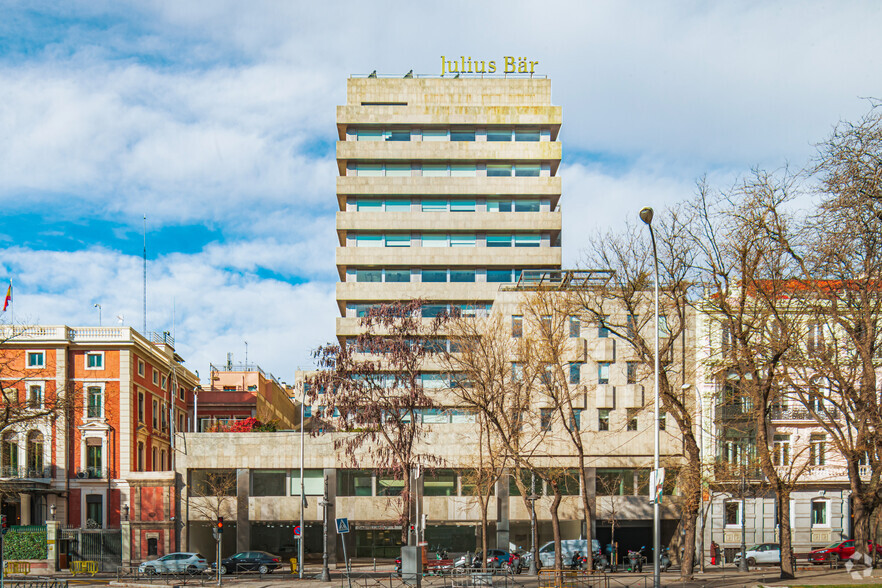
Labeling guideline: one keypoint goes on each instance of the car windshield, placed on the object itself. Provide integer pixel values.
(832, 545)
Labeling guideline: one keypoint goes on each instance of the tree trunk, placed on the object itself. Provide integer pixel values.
(406, 504)
(788, 568)
(555, 528)
(587, 512)
(691, 483)
(862, 508)
(484, 504)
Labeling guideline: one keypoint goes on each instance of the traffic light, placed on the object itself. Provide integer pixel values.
(220, 524)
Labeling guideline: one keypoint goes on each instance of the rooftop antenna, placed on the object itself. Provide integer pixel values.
(230, 362)
(174, 316)
(246, 356)
(145, 277)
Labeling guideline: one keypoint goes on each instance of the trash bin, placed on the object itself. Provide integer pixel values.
(293, 561)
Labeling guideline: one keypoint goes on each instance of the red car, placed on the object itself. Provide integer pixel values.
(841, 550)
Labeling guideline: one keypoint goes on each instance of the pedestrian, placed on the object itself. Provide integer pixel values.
(715, 553)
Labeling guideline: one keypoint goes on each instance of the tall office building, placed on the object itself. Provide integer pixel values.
(448, 188)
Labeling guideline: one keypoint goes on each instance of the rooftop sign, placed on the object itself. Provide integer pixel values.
(466, 65)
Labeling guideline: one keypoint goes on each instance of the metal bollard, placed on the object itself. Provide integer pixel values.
(375, 564)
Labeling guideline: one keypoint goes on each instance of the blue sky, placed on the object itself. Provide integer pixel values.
(216, 120)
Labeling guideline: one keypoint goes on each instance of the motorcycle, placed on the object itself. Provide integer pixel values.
(664, 560)
(601, 564)
(578, 562)
(635, 560)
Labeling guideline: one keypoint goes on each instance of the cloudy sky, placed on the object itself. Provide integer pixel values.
(216, 121)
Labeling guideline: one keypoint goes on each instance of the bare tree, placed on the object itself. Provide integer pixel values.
(623, 306)
(372, 389)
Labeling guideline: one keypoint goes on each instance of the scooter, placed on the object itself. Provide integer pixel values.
(664, 561)
(635, 560)
(601, 564)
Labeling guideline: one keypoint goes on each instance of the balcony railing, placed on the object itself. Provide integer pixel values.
(800, 414)
(733, 411)
(91, 474)
(23, 472)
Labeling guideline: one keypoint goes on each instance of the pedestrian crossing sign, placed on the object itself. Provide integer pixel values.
(342, 525)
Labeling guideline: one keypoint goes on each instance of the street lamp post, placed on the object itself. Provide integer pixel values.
(646, 216)
(302, 495)
(326, 574)
(534, 570)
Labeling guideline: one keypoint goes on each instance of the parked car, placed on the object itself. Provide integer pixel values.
(764, 553)
(175, 563)
(567, 547)
(250, 561)
(840, 550)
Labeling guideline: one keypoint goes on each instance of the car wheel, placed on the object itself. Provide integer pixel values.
(262, 569)
(223, 570)
(192, 570)
(751, 561)
(150, 571)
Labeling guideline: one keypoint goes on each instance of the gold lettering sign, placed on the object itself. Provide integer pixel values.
(474, 66)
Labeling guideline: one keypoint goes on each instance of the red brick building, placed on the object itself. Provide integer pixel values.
(107, 460)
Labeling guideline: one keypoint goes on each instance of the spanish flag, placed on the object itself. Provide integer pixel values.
(8, 297)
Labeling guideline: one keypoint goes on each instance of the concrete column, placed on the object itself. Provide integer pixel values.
(52, 544)
(331, 475)
(503, 537)
(25, 508)
(126, 543)
(243, 525)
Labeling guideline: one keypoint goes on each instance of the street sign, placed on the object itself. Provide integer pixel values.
(656, 485)
(297, 532)
(342, 525)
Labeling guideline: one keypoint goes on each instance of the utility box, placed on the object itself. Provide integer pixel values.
(412, 565)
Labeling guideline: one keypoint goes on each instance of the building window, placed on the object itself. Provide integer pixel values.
(462, 134)
(155, 377)
(498, 240)
(141, 368)
(93, 458)
(397, 240)
(603, 372)
(576, 373)
(155, 463)
(95, 402)
(498, 170)
(164, 384)
(35, 454)
(517, 326)
(140, 407)
(499, 276)
(815, 338)
(517, 372)
(440, 483)
(545, 322)
(527, 170)
(545, 419)
(462, 275)
(498, 134)
(603, 328)
(603, 419)
(94, 511)
(95, 360)
(820, 513)
(398, 276)
(36, 359)
(369, 275)
(527, 240)
(632, 418)
(389, 485)
(140, 456)
(781, 451)
(631, 371)
(499, 206)
(527, 205)
(35, 396)
(818, 449)
(732, 513)
(353, 483)
(182, 395)
(575, 423)
(268, 483)
(526, 134)
(155, 414)
(575, 327)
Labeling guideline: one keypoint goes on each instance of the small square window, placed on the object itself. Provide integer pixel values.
(603, 373)
(36, 359)
(94, 361)
(603, 419)
(632, 418)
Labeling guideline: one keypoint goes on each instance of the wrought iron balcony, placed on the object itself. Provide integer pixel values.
(24, 472)
(733, 411)
(800, 414)
(91, 474)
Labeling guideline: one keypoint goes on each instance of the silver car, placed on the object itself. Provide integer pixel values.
(175, 563)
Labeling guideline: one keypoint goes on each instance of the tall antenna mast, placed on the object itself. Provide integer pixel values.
(145, 276)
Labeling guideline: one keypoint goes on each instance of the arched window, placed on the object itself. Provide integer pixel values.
(9, 456)
(35, 454)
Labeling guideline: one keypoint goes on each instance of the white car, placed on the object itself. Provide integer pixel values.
(175, 563)
(764, 553)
